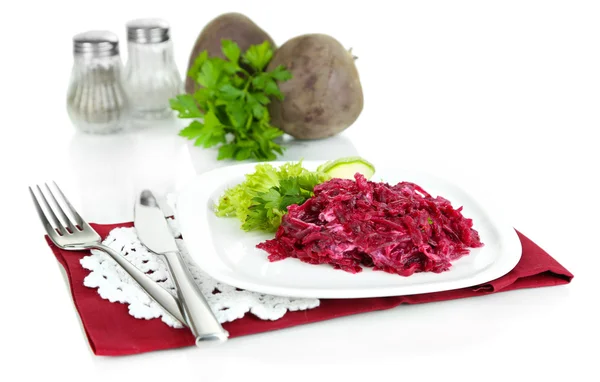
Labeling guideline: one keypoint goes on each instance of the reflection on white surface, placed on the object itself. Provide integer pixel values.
(103, 167)
(324, 149)
(111, 170)
(159, 156)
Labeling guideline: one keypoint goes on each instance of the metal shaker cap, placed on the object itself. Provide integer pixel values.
(96, 43)
(147, 31)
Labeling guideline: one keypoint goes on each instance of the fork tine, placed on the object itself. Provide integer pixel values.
(60, 210)
(44, 216)
(79, 221)
(40, 212)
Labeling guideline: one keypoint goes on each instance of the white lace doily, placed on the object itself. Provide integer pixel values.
(227, 302)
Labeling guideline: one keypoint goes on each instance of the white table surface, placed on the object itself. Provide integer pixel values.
(499, 96)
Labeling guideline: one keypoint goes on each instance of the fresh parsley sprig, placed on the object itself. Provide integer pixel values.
(232, 102)
(261, 200)
(268, 207)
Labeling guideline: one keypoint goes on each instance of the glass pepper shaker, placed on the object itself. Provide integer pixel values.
(96, 99)
(151, 74)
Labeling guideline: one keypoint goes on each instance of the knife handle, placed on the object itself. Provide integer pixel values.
(200, 318)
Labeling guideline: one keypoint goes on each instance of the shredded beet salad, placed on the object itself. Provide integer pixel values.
(398, 229)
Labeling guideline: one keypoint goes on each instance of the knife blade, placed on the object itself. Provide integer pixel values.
(154, 232)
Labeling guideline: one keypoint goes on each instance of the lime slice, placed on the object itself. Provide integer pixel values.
(346, 168)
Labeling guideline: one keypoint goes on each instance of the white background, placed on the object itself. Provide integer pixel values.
(502, 96)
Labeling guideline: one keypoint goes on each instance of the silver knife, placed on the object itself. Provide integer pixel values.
(154, 232)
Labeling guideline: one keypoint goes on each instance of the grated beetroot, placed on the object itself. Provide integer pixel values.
(398, 229)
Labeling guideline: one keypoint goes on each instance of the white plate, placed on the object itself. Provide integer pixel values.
(228, 254)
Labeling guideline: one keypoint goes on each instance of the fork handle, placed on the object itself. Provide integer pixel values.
(154, 291)
(198, 314)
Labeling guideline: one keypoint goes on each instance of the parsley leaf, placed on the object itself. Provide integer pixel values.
(231, 103)
(186, 106)
(226, 151)
(231, 50)
(198, 62)
(210, 74)
(271, 88)
(211, 133)
(230, 92)
(264, 197)
(193, 130)
(236, 113)
(258, 56)
(280, 74)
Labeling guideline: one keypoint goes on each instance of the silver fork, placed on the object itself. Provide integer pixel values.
(78, 236)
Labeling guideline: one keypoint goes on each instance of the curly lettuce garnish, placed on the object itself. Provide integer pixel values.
(263, 198)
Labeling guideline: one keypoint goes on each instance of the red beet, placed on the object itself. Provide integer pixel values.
(349, 224)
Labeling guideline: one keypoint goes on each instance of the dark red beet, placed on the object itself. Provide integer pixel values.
(397, 229)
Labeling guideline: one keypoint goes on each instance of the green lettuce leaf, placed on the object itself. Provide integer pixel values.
(261, 200)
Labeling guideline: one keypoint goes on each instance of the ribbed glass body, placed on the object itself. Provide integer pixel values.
(96, 99)
(151, 74)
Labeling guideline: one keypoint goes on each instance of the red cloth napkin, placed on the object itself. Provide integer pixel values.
(111, 331)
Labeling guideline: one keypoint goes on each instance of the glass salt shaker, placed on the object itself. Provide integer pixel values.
(96, 99)
(151, 74)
